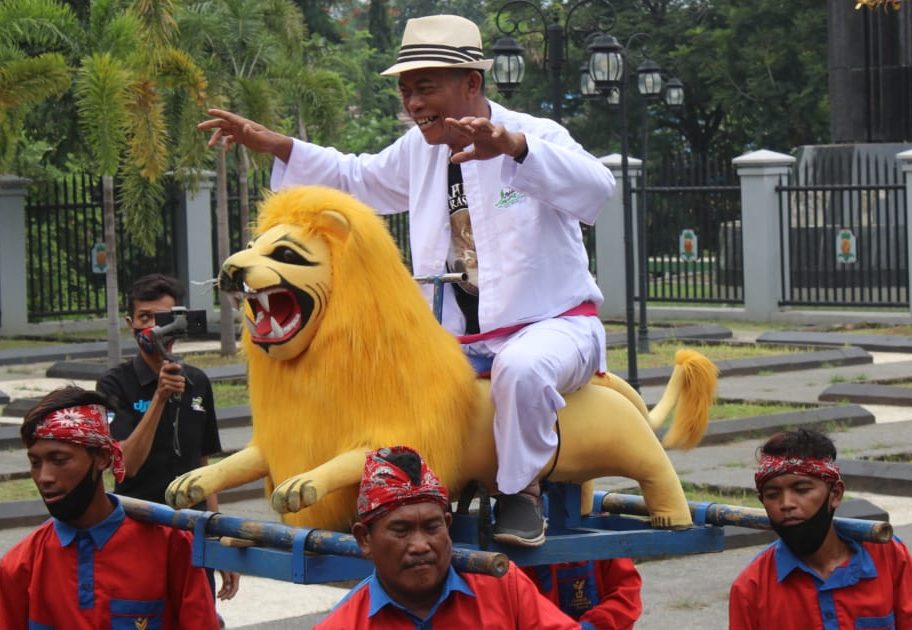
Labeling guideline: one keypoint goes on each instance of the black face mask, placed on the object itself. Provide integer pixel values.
(75, 502)
(805, 538)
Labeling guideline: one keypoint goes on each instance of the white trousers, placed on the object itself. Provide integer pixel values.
(531, 369)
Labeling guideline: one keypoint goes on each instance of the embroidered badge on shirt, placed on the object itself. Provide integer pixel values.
(508, 197)
(197, 404)
(141, 624)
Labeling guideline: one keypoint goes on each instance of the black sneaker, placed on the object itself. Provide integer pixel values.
(519, 520)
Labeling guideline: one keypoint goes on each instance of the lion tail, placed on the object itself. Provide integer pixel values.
(691, 389)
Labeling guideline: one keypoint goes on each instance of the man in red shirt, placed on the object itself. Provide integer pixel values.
(403, 527)
(812, 577)
(601, 594)
(91, 566)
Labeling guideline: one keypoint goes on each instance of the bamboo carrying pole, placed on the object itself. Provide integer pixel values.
(281, 536)
(754, 518)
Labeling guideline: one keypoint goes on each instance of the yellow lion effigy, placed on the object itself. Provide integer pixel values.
(344, 356)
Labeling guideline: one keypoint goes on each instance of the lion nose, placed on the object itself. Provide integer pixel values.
(231, 278)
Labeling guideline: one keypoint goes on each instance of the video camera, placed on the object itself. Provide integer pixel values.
(175, 324)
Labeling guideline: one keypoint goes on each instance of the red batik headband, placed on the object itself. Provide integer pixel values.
(385, 486)
(85, 425)
(775, 465)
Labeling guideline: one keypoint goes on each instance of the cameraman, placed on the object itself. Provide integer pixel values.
(164, 411)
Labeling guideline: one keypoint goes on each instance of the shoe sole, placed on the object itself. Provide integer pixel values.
(518, 541)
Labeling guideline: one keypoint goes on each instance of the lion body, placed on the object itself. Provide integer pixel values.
(381, 371)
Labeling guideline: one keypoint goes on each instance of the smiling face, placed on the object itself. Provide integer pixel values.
(411, 550)
(283, 279)
(791, 499)
(431, 94)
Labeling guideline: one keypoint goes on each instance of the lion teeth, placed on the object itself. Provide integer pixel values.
(263, 299)
(259, 316)
(276, 327)
(248, 289)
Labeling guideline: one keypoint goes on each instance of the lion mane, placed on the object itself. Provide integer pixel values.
(356, 385)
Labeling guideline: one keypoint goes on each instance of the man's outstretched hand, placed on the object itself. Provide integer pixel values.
(230, 128)
(487, 139)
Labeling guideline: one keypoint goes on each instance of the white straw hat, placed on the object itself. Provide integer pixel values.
(440, 41)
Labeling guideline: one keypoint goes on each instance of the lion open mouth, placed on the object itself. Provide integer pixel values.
(275, 315)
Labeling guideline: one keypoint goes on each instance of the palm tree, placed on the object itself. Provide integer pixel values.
(250, 50)
(32, 68)
(120, 91)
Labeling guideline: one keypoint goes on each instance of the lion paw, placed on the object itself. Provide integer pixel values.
(186, 490)
(294, 494)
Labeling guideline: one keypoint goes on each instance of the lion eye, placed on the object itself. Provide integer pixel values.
(289, 256)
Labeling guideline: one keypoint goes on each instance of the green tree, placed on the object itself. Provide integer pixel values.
(254, 55)
(34, 34)
(120, 93)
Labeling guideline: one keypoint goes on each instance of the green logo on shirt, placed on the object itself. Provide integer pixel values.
(508, 197)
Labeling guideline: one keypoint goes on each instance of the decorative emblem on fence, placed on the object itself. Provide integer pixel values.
(846, 247)
(99, 258)
(688, 249)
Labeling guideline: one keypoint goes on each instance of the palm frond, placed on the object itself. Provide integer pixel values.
(179, 71)
(28, 81)
(119, 35)
(285, 20)
(41, 24)
(157, 17)
(148, 150)
(141, 202)
(102, 96)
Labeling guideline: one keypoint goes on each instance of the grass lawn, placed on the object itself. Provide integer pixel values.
(662, 353)
(13, 343)
(212, 359)
(735, 410)
(746, 497)
(230, 394)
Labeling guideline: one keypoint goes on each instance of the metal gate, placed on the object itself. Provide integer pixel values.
(692, 207)
(64, 229)
(843, 235)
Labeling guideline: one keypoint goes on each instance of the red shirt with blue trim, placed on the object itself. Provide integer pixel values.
(601, 594)
(121, 573)
(871, 591)
(468, 601)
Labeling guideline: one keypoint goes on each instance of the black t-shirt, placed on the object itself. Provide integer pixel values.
(130, 387)
(462, 255)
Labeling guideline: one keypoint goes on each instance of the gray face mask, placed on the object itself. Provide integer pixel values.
(806, 537)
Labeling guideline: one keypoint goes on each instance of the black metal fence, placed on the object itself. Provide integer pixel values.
(693, 231)
(64, 238)
(843, 231)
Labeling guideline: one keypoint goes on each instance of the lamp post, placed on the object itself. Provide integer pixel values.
(607, 63)
(509, 67)
(650, 86)
(604, 74)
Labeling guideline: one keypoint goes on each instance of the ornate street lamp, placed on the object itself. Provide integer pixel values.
(674, 93)
(649, 80)
(587, 85)
(508, 68)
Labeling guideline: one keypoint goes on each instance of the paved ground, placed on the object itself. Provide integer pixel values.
(681, 593)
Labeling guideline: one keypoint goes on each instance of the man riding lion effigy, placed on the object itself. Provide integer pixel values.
(344, 356)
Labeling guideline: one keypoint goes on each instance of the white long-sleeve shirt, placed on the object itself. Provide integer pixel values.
(532, 264)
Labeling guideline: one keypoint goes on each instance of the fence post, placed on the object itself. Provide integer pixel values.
(609, 239)
(759, 172)
(905, 161)
(13, 276)
(194, 244)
